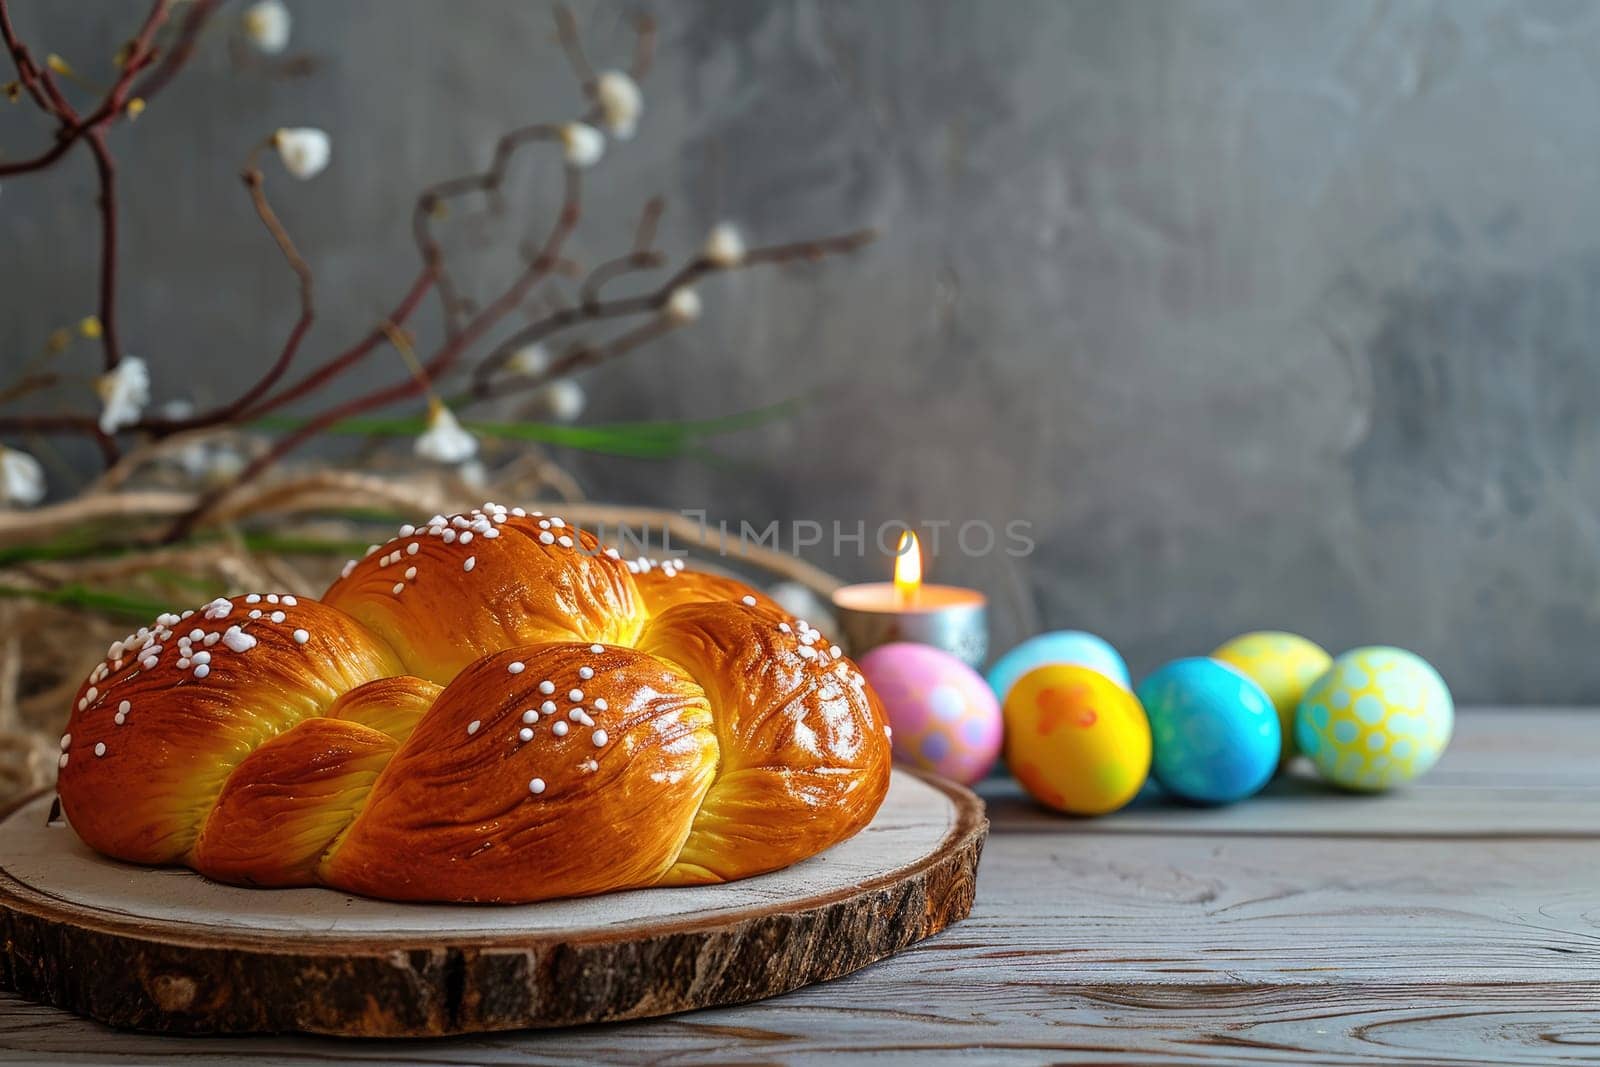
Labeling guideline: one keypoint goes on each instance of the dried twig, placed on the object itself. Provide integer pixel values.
(485, 384)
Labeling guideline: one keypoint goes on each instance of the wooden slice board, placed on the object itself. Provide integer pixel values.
(167, 950)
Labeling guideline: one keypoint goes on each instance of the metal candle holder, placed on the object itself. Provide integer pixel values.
(948, 618)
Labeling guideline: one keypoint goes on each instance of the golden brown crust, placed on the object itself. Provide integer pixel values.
(454, 814)
(284, 806)
(515, 730)
(805, 759)
(533, 578)
(137, 784)
(666, 586)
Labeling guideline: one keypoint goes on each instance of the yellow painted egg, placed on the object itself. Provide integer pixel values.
(1076, 740)
(1283, 665)
(1377, 718)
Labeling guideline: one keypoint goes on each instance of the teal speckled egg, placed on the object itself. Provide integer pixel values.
(1377, 718)
(1216, 734)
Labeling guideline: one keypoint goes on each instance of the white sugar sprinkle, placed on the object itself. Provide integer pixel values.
(466, 537)
(272, 598)
(530, 716)
(349, 566)
(600, 738)
(559, 729)
(748, 601)
(255, 598)
(100, 748)
(301, 637)
(277, 616)
(783, 628)
(547, 687)
(835, 651)
(120, 717)
(413, 548)
(586, 673)
(448, 537)
(291, 601)
(411, 574)
(255, 613)
(469, 563)
(407, 530)
(575, 694)
(536, 785)
(516, 667)
(600, 704)
(66, 739)
(525, 734)
(202, 670)
(211, 639)
(202, 657)
(557, 523)
(547, 538)
(399, 587)
(472, 727)
(565, 541)
(548, 707)
(125, 707)
(597, 649)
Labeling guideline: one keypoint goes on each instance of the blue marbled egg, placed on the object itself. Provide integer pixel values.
(1074, 647)
(1216, 733)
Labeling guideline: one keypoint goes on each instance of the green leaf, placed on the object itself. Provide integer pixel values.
(647, 440)
(117, 605)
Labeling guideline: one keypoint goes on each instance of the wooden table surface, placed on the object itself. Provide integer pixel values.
(1457, 921)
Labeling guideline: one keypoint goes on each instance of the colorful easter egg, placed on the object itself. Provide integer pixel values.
(1283, 665)
(1076, 740)
(943, 715)
(1216, 733)
(1062, 646)
(1377, 718)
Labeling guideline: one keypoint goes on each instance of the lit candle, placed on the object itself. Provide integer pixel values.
(906, 609)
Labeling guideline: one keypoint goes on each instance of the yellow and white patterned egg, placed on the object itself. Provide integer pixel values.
(1283, 665)
(1377, 718)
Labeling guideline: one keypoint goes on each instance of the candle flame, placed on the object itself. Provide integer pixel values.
(908, 567)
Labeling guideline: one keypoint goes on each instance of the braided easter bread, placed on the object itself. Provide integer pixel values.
(490, 707)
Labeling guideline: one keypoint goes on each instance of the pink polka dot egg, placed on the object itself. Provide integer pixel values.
(944, 716)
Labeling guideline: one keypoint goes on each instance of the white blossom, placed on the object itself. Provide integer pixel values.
(305, 150)
(529, 360)
(267, 23)
(444, 441)
(21, 478)
(563, 399)
(583, 144)
(620, 103)
(724, 245)
(123, 393)
(683, 305)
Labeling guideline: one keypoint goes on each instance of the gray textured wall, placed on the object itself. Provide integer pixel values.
(1264, 314)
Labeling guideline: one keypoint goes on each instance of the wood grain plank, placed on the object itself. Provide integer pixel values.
(1201, 1025)
(1166, 949)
